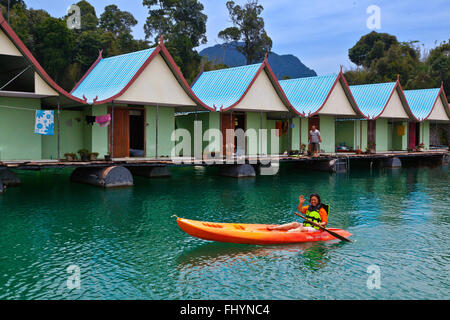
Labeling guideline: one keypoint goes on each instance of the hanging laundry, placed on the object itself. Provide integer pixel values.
(103, 121)
(44, 124)
(90, 119)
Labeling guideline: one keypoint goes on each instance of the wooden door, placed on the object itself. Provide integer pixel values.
(120, 133)
(227, 123)
(371, 133)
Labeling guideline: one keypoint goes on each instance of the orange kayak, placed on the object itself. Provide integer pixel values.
(251, 233)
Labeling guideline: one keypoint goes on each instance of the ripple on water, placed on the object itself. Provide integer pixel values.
(128, 246)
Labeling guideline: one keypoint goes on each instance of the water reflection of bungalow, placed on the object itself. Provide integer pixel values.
(385, 105)
(142, 91)
(430, 106)
(24, 88)
(326, 101)
(248, 97)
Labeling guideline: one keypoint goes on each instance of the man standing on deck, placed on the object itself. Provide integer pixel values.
(315, 139)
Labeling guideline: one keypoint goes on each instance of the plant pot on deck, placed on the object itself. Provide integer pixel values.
(70, 157)
(93, 156)
(84, 155)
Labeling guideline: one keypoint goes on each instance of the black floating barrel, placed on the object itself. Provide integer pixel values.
(9, 178)
(106, 177)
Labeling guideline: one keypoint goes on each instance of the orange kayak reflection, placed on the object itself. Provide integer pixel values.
(251, 233)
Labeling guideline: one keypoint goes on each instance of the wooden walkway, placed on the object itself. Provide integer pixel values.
(46, 164)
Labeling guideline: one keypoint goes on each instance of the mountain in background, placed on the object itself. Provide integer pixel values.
(286, 65)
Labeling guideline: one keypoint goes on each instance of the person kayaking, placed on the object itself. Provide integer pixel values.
(315, 212)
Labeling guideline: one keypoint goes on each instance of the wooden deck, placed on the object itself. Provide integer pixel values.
(46, 164)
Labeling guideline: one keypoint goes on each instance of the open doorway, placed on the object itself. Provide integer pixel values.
(137, 133)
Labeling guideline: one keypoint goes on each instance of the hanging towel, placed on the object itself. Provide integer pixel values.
(44, 122)
(103, 121)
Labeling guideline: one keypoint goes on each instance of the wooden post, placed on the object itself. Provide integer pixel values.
(300, 135)
(157, 128)
(360, 134)
(259, 133)
(112, 130)
(59, 130)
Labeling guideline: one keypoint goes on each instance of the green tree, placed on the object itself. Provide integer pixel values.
(172, 18)
(87, 46)
(439, 65)
(183, 24)
(371, 47)
(54, 45)
(12, 3)
(248, 27)
(89, 20)
(401, 59)
(117, 21)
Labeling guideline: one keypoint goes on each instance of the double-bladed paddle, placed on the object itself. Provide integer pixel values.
(334, 234)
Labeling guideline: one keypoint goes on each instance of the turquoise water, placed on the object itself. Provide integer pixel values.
(128, 246)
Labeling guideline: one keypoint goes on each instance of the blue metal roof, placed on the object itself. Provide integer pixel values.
(223, 88)
(307, 95)
(111, 75)
(372, 98)
(422, 101)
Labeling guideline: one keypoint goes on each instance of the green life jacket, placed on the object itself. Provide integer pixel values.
(314, 216)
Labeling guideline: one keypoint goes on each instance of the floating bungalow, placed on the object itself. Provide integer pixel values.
(430, 106)
(25, 88)
(325, 102)
(247, 97)
(388, 115)
(141, 91)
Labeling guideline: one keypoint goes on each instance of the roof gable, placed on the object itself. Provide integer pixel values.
(158, 85)
(261, 96)
(7, 47)
(394, 108)
(440, 111)
(338, 102)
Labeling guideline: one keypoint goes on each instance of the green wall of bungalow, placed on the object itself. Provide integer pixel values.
(19, 142)
(24, 144)
(387, 134)
(17, 138)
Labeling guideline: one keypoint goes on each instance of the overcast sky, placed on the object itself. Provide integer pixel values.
(318, 32)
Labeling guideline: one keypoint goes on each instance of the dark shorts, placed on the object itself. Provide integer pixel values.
(315, 146)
